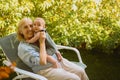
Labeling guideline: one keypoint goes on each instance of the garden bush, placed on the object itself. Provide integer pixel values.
(84, 24)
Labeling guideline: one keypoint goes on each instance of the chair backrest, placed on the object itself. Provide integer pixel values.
(9, 45)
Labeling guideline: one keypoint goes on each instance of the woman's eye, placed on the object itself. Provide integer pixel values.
(31, 25)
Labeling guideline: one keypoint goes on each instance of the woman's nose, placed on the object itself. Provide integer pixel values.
(29, 28)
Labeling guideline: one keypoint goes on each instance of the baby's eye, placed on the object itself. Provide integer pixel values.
(34, 24)
(39, 24)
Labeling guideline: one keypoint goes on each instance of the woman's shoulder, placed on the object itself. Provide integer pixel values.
(24, 45)
(27, 46)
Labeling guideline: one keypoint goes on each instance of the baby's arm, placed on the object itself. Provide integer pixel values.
(35, 38)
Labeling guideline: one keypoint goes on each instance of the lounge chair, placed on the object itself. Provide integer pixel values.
(9, 46)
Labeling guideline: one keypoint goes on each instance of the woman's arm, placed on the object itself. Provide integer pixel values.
(28, 54)
(43, 55)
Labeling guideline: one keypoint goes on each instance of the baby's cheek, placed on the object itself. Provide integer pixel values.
(41, 27)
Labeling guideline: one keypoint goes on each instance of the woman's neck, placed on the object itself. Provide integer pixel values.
(36, 43)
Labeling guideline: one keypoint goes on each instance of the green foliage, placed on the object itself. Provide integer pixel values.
(11, 11)
(81, 23)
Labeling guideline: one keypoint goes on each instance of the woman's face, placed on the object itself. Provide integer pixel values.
(27, 30)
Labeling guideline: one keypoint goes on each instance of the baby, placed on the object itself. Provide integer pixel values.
(39, 26)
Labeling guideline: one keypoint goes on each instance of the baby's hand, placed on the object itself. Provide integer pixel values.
(28, 41)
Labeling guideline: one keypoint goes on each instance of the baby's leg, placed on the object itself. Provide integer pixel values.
(53, 61)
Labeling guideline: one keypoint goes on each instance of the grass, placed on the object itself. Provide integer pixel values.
(100, 66)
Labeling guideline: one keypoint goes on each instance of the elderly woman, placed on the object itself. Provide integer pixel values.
(29, 54)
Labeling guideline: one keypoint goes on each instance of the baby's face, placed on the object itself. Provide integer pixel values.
(37, 25)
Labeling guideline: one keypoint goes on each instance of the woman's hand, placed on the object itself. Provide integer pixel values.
(42, 36)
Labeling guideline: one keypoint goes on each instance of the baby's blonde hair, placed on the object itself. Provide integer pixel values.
(20, 25)
(41, 20)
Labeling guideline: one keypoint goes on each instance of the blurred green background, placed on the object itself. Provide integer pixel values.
(92, 26)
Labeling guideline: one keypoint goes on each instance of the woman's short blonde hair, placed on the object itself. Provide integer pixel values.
(20, 25)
